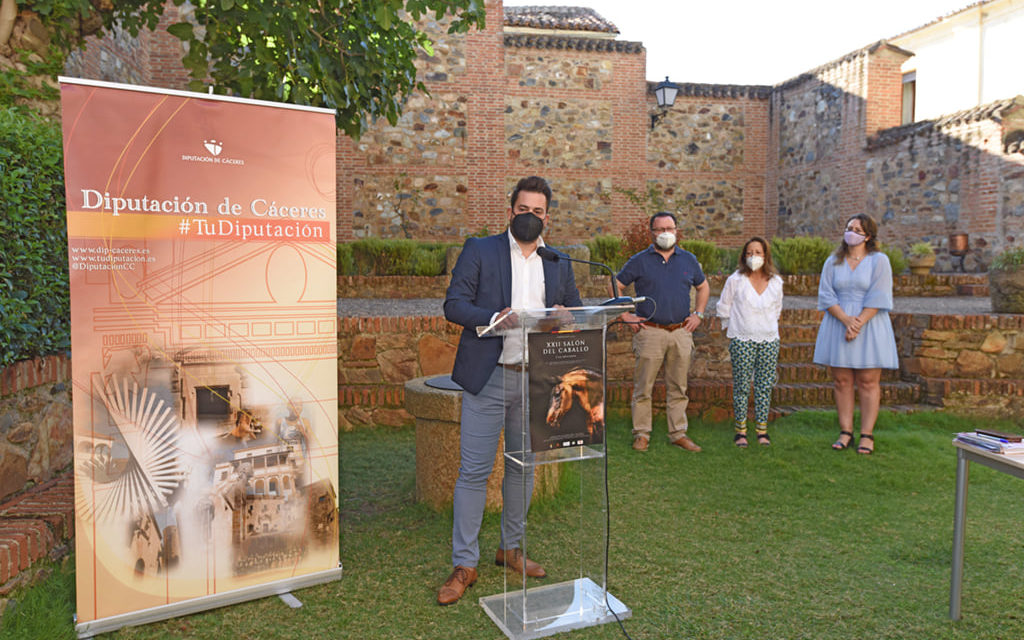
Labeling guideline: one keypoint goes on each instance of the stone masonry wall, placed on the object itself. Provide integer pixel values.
(962, 363)
(558, 133)
(954, 178)
(822, 120)
(708, 209)
(533, 68)
(966, 363)
(429, 131)
(403, 205)
(699, 137)
(706, 162)
(35, 422)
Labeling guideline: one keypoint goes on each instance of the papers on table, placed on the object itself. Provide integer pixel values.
(990, 443)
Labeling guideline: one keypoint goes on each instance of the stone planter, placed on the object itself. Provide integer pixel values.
(921, 265)
(1006, 288)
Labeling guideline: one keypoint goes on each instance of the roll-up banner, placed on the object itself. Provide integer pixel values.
(201, 241)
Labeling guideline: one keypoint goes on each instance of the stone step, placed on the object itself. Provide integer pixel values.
(34, 525)
(790, 333)
(807, 372)
(796, 352)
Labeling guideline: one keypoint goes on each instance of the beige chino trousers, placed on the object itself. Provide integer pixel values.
(653, 347)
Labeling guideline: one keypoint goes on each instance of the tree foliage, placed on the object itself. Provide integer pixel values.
(34, 303)
(354, 56)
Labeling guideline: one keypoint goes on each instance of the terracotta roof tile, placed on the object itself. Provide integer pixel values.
(991, 111)
(564, 18)
(566, 42)
(863, 51)
(704, 90)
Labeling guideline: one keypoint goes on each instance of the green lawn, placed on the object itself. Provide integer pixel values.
(791, 541)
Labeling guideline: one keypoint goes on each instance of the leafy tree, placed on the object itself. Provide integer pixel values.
(354, 56)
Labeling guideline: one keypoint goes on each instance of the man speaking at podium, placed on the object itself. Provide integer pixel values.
(492, 276)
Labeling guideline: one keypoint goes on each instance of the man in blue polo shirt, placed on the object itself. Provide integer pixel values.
(663, 273)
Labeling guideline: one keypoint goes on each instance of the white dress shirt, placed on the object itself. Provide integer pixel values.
(527, 293)
(748, 315)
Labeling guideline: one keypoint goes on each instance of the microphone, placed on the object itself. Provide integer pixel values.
(552, 256)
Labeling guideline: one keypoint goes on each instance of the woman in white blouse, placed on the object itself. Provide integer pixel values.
(749, 307)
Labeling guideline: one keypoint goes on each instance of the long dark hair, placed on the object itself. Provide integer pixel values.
(769, 266)
(870, 227)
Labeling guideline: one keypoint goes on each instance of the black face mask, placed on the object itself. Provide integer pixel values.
(526, 227)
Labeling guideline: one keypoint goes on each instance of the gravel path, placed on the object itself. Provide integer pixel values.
(369, 307)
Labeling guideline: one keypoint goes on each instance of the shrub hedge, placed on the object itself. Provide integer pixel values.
(34, 302)
(801, 255)
(391, 257)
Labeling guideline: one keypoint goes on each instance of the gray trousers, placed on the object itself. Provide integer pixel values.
(498, 406)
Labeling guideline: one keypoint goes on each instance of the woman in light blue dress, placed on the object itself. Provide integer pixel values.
(856, 339)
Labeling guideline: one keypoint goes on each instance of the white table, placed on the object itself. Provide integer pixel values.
(965, 454)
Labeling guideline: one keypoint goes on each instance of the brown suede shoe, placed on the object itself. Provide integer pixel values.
(684, 442)
(640, 443)
(513, 558)
(456, 584)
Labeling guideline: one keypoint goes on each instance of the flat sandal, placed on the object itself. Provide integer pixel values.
(865, 451)
(838, 445)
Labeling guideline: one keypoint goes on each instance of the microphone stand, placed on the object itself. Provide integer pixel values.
(551, 256)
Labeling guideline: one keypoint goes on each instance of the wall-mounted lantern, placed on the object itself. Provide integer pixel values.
(665, 95)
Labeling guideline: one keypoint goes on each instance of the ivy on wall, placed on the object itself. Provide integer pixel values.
(34, 302)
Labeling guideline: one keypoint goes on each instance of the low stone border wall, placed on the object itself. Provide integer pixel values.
(596, 286)
(35, 422)
(978, 361)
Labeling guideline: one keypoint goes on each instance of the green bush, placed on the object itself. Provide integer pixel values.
(1009, 260)
(346, 266)
(896, 258)
(800, 255)
(34, 302)
(398, 257)
(608, 250)
(707, 254)
(729, 258)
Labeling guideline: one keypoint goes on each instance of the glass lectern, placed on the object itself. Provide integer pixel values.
(561, 389)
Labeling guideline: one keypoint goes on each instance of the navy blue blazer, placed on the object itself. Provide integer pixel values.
(481, 286)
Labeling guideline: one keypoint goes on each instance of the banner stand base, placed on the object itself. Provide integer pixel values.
(195, 605)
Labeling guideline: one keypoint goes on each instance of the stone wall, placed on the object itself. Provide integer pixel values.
(966, 363)
(699, 136)
(973, 363)
(35, 422)
(929, 180)
(564, 133)
(409, 206)
(707, 209)
(823, 119)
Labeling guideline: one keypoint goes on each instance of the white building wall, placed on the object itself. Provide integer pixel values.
(967, 59)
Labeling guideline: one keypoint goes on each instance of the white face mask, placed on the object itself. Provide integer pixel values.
(755, 262)
(853, 238)
(665, 241)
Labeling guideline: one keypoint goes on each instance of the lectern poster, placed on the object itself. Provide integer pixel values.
(201, 241)
(566, 389)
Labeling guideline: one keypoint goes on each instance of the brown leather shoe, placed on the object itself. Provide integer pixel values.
(513, 558)
(640, 443)
(461, 579)
(684, 442)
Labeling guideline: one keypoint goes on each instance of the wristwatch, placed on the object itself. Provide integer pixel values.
(699, 314)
